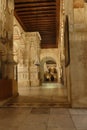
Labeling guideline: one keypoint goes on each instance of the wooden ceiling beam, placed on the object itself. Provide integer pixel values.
(18, 1)
(37, 13)
(34, 15)
(39, 19)
(35, 9)
(48, 24)
(46, 33)
(39, 16)
(39, 26)
(42, 30)
(38, 4)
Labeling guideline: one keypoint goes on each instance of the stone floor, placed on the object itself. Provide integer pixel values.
(23, 113)
(48, 95)
(43, 119)
(45, 93)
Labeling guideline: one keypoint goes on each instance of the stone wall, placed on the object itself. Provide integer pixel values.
(76, 11)
(26, 54)
(20, 55)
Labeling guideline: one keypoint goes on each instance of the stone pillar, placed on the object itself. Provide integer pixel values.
(78, 50)
(76, 11)
(6, 34)
(61, 45)
(68, 5)
(6, 47)
(34, 41)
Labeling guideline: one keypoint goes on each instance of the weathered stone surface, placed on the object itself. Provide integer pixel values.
(78, 49)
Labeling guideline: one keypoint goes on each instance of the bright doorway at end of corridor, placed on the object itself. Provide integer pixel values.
(50, 71)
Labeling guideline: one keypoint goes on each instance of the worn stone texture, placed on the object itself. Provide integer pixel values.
(7, 62)
(41, 119)
(78, 50)
(6, 36)
(78, 3)
(34, 39)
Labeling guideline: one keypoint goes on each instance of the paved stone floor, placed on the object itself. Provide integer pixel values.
(23, 113)
(45, 93)
(48, 95)
(43, 119)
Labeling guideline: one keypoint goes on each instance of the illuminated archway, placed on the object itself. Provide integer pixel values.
(48, 66)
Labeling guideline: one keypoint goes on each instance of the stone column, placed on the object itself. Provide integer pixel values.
(6, 33)
(6, 46)
(64, 71)
(78, 50)
(34, 41)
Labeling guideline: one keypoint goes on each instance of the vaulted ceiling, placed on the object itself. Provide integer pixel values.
(41, 16)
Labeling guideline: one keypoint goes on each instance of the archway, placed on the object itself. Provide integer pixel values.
(48, 70)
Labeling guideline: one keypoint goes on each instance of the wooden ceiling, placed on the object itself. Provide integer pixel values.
(41, 16)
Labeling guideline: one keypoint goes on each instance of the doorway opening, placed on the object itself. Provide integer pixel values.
(50, 71)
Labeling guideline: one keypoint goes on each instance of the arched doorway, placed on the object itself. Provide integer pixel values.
(48, 70)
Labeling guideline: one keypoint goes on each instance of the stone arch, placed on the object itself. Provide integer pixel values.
(42, 61)
(49, 54)
(54, 55)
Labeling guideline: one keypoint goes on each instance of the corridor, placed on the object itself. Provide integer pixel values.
(47, 95)
(43, 43)
(43, 119)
